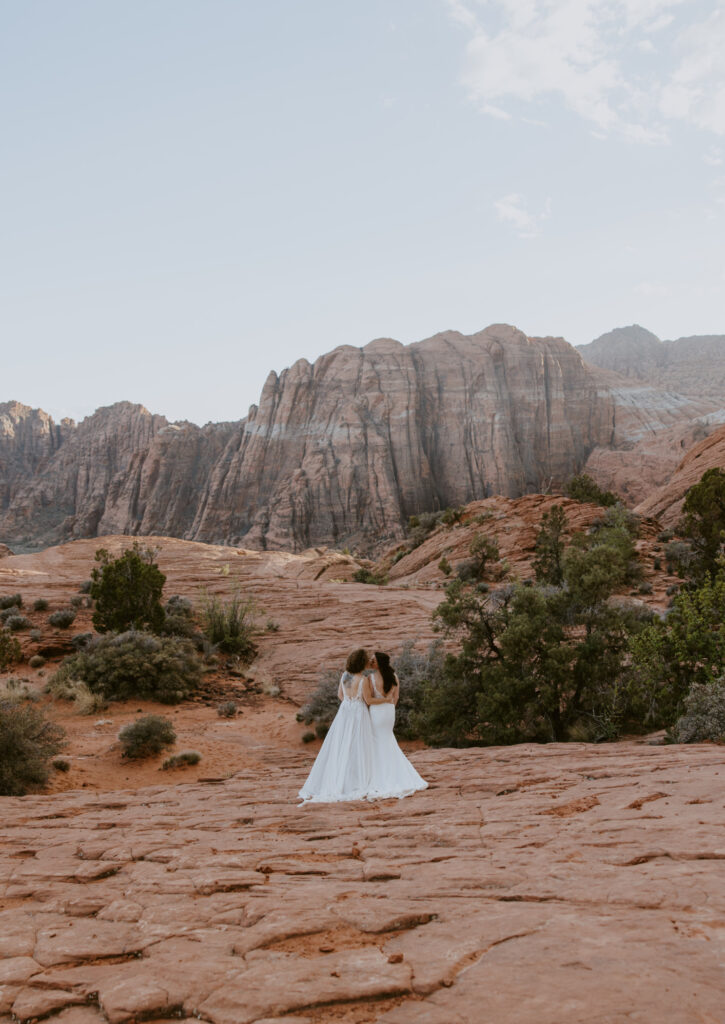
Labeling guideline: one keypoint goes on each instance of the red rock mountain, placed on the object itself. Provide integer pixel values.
(338, 451)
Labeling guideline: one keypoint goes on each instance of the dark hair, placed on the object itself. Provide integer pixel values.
(357, 661)
(386, 670)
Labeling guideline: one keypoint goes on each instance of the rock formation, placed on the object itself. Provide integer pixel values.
(666, 501)
(693, 366)
(28, 438)
(345, 449)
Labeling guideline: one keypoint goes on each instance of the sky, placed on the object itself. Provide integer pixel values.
(196, 192)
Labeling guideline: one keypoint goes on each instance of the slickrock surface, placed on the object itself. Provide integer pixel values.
(666, 502)
(341, 451)
(320, 617)
(531, 885)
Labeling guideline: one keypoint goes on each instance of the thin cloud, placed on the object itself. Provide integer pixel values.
(588, 55)
(512, 209)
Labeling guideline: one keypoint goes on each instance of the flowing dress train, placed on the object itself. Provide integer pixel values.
(392, 773)
(342, 767)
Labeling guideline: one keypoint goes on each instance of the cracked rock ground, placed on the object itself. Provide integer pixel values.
(530, 884)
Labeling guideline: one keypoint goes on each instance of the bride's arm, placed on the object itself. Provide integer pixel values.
(369, 694)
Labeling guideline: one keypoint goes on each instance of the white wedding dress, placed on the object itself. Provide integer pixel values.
(392, 773)
(342, 768)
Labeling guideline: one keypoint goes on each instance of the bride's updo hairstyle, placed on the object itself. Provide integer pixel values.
(357, 661)
(386, 670)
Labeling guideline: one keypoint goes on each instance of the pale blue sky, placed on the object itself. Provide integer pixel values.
(194, 192)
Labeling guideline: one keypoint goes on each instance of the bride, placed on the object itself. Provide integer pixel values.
(392, 773)
(342, 768)
(359, 757)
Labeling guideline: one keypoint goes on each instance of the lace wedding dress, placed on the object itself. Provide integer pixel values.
(342, 768)
(392, 773)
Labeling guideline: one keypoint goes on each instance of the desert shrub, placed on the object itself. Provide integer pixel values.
(15, 691)
(467, 570)
(178, 605)
(227, 709)
(271, 689)
(665, 536)
(179, 618)
(230, 625)
(450, 516)
(63, 686)
(85, 587)
(680, 558)
(10, 651)
(321, 731)
(11, 601)
(272, 626)
(37, 661)
(378, 579)
(583, 488)
(76, 601)
(657, 564)
(415, 670)
(35, 635)
(146, 737)
(445, 566)
(80, 640)
(41, 605)
(127, 591)
(324, 702)
(645, 588)
(134, 664)
(17, 622)
(28, 742)
(63, 618)
(398, 555)
(182, 759)
(61, 765)
(308, 737)
(703, 714)
(672, 590)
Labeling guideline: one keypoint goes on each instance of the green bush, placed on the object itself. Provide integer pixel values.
(61, 765)
(703, 716)
(230, 625)
(17, 622)
(583, 488)
(10, 651)
(227, 709)
(657, 564)
(445, 566)
(41, 605)
(37, 661)
(181, 760)
(63, 618)
(11, 601)
(127, 591)
(703, 523)
(368, 576)
(134, 664)
(308, 737)
(28, 742)
(146, 737)
(483, 550)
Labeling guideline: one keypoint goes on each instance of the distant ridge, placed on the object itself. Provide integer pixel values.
(337, 452)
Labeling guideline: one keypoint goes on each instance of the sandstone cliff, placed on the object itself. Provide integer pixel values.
(693, 366)
(28, 438)
(345, 449)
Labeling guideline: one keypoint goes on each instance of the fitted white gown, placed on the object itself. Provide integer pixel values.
(392, 773)
(343, 766)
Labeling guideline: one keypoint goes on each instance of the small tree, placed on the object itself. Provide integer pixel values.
(549, 546)
(127, 591)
